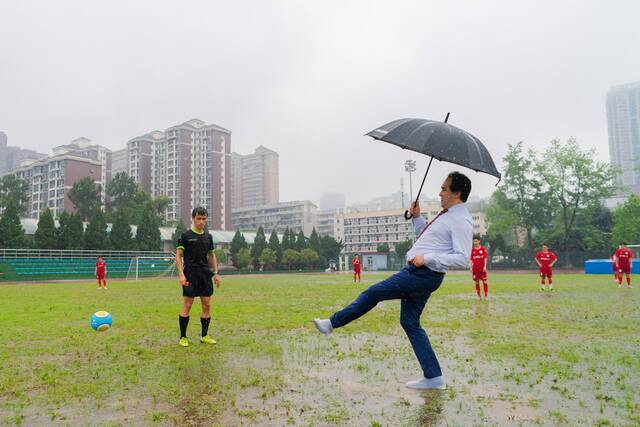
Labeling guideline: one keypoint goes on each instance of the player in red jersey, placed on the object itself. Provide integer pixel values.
(545, 260)
(624, 261)
(614, 266)
(479, 257)
(357, 267)
(101, 272)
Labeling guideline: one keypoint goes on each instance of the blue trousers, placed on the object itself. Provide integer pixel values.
(413, 286)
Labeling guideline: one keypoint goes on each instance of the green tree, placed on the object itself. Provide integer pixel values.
(301, 242)
(96, 236)
(180, 228)
(259, 244)
(143, 202)
(148, 232)
(14, 194)
(383, 248)
(11, 232)
(274, 245)
(309, 257)
(267, 258)
(121, 236)
(71, 231)
(575, 180)
(291, 258)
(503, 227)
(523, 188)
(122, 190)
(45, 235)
(330, 248)
(626, 222)
(402, 248)
(238, 243)
(288, 240)
(221, 255)
(85, 196)
(314, 241)
(242, 259)
(63, 224)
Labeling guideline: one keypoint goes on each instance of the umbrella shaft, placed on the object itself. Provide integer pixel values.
(423, 180)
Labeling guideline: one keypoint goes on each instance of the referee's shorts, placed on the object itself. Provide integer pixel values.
(200, 282)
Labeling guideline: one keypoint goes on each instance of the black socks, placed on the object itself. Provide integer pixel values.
(205, 325)
(184, 321)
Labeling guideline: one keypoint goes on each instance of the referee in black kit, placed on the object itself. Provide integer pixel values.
(196, 273)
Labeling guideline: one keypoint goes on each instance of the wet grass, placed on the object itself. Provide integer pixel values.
(571, 356)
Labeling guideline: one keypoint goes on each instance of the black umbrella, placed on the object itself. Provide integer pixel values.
(439, 140)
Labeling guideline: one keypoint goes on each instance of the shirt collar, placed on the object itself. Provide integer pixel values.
(196, 231)
(457, 207)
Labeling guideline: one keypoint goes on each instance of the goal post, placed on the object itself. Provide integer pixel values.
(152, 266)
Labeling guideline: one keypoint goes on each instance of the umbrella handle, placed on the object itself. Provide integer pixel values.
(407, 215)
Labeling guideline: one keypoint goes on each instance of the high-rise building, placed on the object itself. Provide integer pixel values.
(296, 216)
(51, 179)
(12, 157)
(119, 161)
(623, 119)
(141, 158)
(255, 178)
(85, 148)
(190, 164)
(327, 222)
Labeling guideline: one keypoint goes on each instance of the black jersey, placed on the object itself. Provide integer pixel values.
(196, 246)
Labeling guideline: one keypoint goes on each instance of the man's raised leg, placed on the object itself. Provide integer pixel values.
(390, 288)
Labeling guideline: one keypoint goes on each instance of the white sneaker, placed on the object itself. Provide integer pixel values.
(323, 325)
(428, 383)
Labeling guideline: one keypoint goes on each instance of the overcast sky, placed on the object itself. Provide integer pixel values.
(308, 79)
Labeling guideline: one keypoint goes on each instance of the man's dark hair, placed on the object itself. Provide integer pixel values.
(460, 184)
(623, 243)
(199, 211)
(476, 237)
(545, 244)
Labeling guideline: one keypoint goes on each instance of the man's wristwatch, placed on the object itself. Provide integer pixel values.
(214, 272)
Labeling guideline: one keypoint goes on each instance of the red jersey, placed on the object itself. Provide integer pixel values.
(478, 257)
(101, 267)
(356, 264)
(624, 257)
(546, 258)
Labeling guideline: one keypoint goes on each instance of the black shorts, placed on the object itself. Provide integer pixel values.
(200, 282)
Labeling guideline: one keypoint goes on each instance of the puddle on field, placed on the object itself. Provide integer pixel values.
(358, 379)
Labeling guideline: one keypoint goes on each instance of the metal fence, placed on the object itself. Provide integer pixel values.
(67, 253)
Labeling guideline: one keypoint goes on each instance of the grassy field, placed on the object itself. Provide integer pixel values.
(571, 356)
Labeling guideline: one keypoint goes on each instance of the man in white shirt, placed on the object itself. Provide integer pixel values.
(442, 244)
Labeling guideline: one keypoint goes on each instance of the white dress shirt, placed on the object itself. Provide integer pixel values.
(446, 244)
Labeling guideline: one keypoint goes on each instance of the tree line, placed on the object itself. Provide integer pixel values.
(295, 251)
(128, 204)
(557, 196)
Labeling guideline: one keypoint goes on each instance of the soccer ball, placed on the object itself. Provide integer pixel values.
(101, 321)
(153, 266)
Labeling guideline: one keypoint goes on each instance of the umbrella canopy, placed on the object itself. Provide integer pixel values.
(439, 140)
